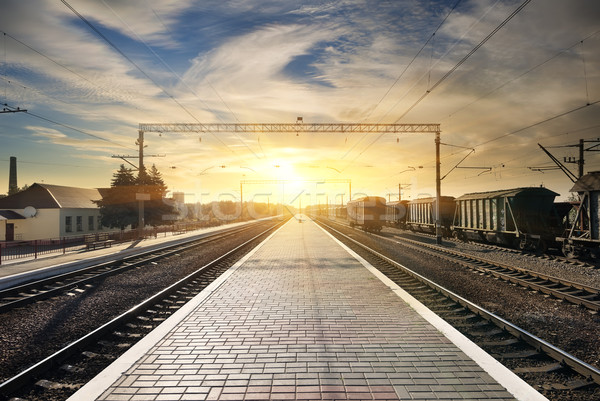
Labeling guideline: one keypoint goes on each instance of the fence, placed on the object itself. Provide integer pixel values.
(33, 249)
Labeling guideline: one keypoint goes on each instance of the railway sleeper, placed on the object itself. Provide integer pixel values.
(50, 385)
(590, 297)
(553, 367)
(501, 343)
(528, 353)
(461, 317)
(468, 326)
(493, 331)
(572, 385)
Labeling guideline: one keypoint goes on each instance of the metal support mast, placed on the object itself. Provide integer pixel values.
(438, 190)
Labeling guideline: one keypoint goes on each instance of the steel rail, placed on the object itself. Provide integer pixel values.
(564, 358)
(13, 384)
(44, 289)
(525, 278)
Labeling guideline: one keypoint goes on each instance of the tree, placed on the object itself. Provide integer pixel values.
(119, 206)
(15, 190)
(123, 177)
(156, 210)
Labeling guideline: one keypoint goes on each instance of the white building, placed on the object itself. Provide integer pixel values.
(45, 211)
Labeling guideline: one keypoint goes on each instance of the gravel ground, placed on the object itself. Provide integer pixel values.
(569, 327)
(568, 271)
(572, 328)
(31, 333)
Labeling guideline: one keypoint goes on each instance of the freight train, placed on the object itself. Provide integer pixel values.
(368, 212)
(523, 218)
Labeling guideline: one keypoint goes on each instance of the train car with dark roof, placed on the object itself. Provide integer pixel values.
(367, 213)
(421, 214)
(582, 238)
(524, 218)
(396, 213)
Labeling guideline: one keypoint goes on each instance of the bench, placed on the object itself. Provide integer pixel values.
(92, 241)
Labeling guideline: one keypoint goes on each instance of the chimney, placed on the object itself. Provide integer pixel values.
(12, 177)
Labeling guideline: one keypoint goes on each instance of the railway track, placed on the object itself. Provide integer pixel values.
(62, 373)
(546, 367)
(79, 280)
(570, 291)
(550, 255)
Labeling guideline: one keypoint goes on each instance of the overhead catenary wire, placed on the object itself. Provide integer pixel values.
(394, 106)
(528, 71)
(179, 78)
(402, 74)
(76, 129)
(116, 48)
(538, 123)
(465, 58)
(413, 60)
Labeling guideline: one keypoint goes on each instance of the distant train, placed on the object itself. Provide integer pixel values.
(421, 214)
(369, 213)
(523, 218)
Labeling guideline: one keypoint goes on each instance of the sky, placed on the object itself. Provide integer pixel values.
(499, 76)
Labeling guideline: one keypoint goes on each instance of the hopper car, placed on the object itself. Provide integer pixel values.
(367, 213)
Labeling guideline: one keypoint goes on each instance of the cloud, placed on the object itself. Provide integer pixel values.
(271, 61)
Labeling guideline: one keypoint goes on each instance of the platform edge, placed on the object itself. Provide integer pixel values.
(520, 389)
(113, 372)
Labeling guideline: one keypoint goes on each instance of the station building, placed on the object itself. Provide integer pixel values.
(45, 211)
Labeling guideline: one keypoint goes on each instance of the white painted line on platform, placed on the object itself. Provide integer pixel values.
(102, 382)
(511, 382)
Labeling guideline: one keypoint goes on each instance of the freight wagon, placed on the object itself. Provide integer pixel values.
(421, 214)
(582, 239)
(524, 218)
(368, 213)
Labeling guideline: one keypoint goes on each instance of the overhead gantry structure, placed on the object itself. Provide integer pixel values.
(301, 127)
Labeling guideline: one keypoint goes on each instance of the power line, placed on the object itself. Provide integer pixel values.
(49, 164)
(527, 72)
(179, 78)
(398, 79)
(115, 47)
(413, 59)
(538, 123)
(465, 58)
(75, 129)
(416, 82)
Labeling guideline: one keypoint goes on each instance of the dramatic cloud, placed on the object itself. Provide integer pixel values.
(535, 80)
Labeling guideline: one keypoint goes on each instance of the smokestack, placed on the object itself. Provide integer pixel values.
(12, 177)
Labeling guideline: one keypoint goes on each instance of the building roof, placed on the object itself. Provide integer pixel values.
(46, 196)
(509, 193)
(10, 215)
(589, 182)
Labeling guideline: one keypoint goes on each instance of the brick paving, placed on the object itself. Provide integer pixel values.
(302, 319)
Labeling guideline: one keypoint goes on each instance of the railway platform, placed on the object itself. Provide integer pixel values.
(14, 272)
(302, 317)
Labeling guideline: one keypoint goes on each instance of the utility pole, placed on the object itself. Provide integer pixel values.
(140, 197)
(438, 189)
(241, 200)
(140, 143)
(10, 109)
(400, 188)
(140, 156)
(580, 161)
